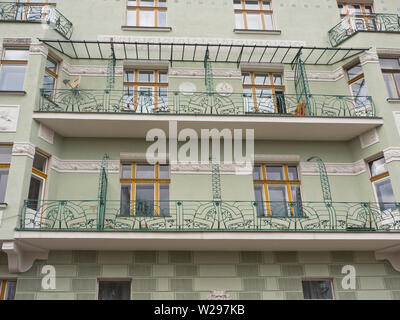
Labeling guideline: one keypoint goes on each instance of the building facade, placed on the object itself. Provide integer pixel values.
(200, 149)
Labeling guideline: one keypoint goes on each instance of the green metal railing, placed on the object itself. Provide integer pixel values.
(200, 103)
(66, 215)
(354, 23)
(30, 12)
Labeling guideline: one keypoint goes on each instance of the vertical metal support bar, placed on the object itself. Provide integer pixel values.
(301, 86)
(103, 182)
(111, 69)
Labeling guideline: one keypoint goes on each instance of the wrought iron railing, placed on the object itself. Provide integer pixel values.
(199, 103)
(372, 22)
(66, 215)
(30, 12)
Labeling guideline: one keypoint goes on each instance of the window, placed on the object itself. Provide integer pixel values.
(317, 289)
(144, 189)
(36, 10)
(362, 16)
(114, 290)
(391, 74)
(263, 92)
(38, 180)
(146, 91)
(274, 187)
(382, 185)
(147, 13)
(13, 68)
(50, 77)
(358, 87)
(253, 15)
(7, 289)
(5, 159)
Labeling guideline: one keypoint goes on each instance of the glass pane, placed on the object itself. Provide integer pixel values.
(378, 167)
(147, 3)
(49, 83)
(254, 21)
(11, 54)
(292, 171)
(354, 71)
(252, 5)
(384, 191)
(397, 80)
(145, 100)
(259, 197)
(278, 79)
(248, 100)
(131, 18)
(125, 209)
(10, 290)
(239, 22)
(359, 88)
(146, 18)
(129, 76)
(354, 8)
(265, 102)
(246, 78)
(144, 171)
(237, 4)
(126, 171)
(12, 77)
(268, 22)
(393, 64)
(164, 199)
(390, 85)
(277, 198)
(257, 173)
(35, 192)
(163, 172)
(51, 65)
(3, 183)
(317, 289)
(266, 5)
(162, 77)
(146, 76)
(5, 154)
(275, 173)
(162, 3)
(368, 9)
(162, 18)
(39, 162)
(297, 206)
(114, 290)
(144, 199)
(132, 3)
(262, 79)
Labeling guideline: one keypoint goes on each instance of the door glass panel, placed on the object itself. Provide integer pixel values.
(385, 194)
(35, 192)
(145, 100)
(278, 198)
(259, 197)
(248, 100)
(125, 200)
(144, 199)
(265, 101)
(164, 199)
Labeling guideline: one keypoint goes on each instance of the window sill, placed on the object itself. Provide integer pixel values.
(10, 92)
(249, 31)
(135, 28)
(3, 205)
(393, 100)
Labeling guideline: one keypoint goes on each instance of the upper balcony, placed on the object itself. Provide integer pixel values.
(101, 113)
(355, 23)
(36, 13)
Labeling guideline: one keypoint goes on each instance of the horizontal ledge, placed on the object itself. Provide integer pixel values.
(140, 28)
(256, 31)
(392, 100)
(3, 205)
(11, 92)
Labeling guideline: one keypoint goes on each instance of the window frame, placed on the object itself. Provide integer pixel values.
(14, 62)
(51, 73)
(6, 164)
(156, 8)
(332, 285)
(3, 288)
(253, 86)
(265, 182)
(41, 175)
(136, 84)
(156, 181)
(261, 11)
(113, 280)
(392, 72)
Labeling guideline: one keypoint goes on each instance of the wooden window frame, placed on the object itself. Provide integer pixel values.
(392, 72)
(43, 175)
(3, 287)
(133, 181)
(6, 164)
(253, 86)
(51, 73)
(13, 62)
(139, 8)
(135, 84)
(265, 182)
(261, 11)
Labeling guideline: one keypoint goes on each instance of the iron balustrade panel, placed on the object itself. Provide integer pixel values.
(202, 103)
(211, 215)
(354, 23)
(30, 12)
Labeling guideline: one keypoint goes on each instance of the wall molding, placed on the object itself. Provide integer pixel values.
(26, 149)
(81, 166)
(38, 48)
(86, 70)
(369, 57)
(392, 154)
(334, 75)
(334, 169)
(222, 73)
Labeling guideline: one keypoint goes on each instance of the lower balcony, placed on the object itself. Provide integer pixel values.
(209, 226)
(109, 113)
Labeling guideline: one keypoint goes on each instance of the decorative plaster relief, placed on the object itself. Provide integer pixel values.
(187, 88)
(82, 166)
(318, 75)
(206, 168)
(224, 89)
(392, 154)
(8, 118)
(369, 57)
(199, 73)
(23, 149)
(91, 71)
(38, 48)
(19, 42)
(335, 169)
(46, 134)
(369, 138)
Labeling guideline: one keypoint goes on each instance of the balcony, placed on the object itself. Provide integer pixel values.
(81, 112)
(36, 13)
(355, 23)
(208, 225)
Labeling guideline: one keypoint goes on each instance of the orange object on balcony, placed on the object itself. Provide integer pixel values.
(301, 109)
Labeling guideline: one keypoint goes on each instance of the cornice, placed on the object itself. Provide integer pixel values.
(82, 166)
(318, 75)
(86, 70)
(23, 149)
